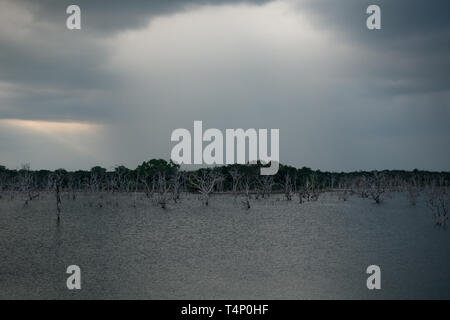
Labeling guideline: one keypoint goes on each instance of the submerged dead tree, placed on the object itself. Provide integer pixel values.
(245, 186)
(377, 186)
(265, 185)
(163, 190)
(438, 201)
(26, 182)
(56, 180)
(236, 177)
(309, 191)
(412, 190)
(287, 187)
(314, 187)
(176, 183)
(2, 180)
(343, 195)
(204, 181)
(250, 172)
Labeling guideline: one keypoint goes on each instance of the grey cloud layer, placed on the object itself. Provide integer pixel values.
(61, 71)
(113, 15)
(415, 39)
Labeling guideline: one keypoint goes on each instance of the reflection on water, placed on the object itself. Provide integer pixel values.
(276, 250)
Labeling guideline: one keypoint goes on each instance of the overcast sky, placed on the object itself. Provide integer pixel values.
(344, 97)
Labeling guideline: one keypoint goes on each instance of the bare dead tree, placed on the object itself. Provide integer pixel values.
(176, 182)
(303, 192)
(377, 186)
(143, 178)
(438, 201)
(56, 180)
(287, 186)
(184, 182)
(245, 186)
(236, 177)
(343, 195)
(361, 185)
(346, 186)
(58, 199)
(114, 185)
(135, 192)
(309, 191)
(71, 187)
(265, 185)
(2, 180)
(129, 185)
(204, 181)
(332, 181)
(163, 190)
(120, 178)
(26, 180)
(314, 189)
(93, 182)
(219, 187)
(412, 190)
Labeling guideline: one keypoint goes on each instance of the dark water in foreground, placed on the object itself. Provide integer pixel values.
(277, 250)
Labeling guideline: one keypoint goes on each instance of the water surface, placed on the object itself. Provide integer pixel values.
(275, 250)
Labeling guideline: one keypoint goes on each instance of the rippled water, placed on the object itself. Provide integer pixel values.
(276, 250)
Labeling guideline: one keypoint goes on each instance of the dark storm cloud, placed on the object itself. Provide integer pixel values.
(401, 81)
(400, 17)
(59, 70)
(414, 39)
(111, 16)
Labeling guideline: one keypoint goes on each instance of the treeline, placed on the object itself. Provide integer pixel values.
(163, 181)
(151, 175)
